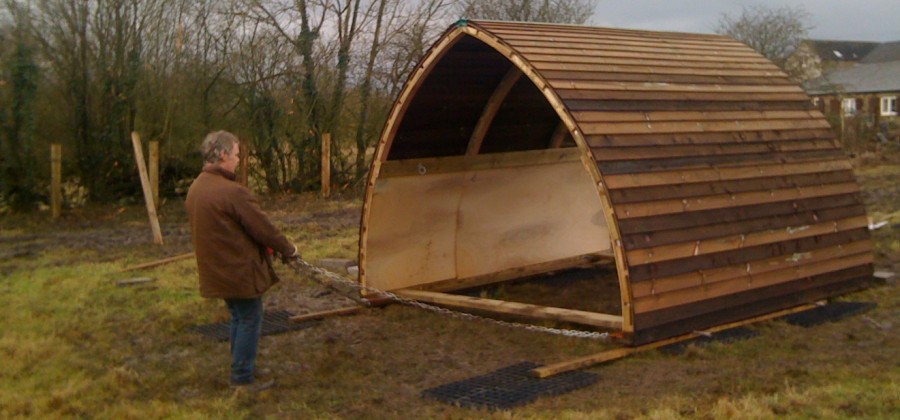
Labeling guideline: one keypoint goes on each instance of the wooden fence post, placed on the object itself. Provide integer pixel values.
(145, 184)
(56, 180)
(153, 171)
(326, 165)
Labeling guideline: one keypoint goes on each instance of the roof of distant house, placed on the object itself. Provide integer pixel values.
(841, 50)
(888, 51)
(861, 78)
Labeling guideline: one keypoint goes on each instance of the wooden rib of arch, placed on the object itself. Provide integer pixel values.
(587, 159)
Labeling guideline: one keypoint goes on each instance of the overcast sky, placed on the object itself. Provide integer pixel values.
(849, 20)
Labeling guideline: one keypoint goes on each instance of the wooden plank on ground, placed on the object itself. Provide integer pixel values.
(134, 281)
(157, 262)
(515, 308)
(606, 356)
(325, 314)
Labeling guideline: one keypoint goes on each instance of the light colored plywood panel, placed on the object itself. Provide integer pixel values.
(438, 227)
(412, 231)
(528, 215)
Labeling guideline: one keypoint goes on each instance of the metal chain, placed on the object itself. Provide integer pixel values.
(301, 264)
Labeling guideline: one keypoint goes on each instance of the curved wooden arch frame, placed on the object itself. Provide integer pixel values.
(415, 81)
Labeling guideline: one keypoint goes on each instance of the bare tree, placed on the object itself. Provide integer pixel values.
(361, 141)
(555, 11)
(17, 114)
(774, 33)
(278, 72)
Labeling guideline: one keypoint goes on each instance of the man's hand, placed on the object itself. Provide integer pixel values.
(293, 258)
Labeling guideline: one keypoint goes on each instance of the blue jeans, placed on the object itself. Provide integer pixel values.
(246, 327)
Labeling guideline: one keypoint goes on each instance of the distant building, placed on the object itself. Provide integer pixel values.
(860, 80)
(813, 58)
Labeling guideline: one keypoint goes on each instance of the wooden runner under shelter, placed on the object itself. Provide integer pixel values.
(689, 160)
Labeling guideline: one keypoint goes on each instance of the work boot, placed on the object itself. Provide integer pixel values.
(262, 374)
(253, 387)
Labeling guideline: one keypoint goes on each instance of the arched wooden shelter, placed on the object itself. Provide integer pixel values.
(689, 159)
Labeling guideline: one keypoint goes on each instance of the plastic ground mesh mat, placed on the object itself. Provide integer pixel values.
(274, 322)
(508, 387)
(833, 311)
(725, 336)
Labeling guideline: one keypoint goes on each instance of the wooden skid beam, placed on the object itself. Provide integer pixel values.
(515, 308)
(371, 302)
(614, 354)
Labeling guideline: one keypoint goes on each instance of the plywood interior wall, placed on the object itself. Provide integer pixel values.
(467, 217)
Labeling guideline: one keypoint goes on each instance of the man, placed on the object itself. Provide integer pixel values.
(231, 235)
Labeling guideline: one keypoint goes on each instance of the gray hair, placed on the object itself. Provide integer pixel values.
(215, 143)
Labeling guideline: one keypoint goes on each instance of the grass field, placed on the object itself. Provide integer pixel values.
(73, 344)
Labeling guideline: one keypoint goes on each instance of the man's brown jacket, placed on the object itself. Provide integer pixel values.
(230, 234)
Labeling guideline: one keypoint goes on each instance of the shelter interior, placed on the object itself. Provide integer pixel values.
(481, 183)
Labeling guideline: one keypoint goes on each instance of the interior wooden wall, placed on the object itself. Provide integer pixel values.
(469, 219)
